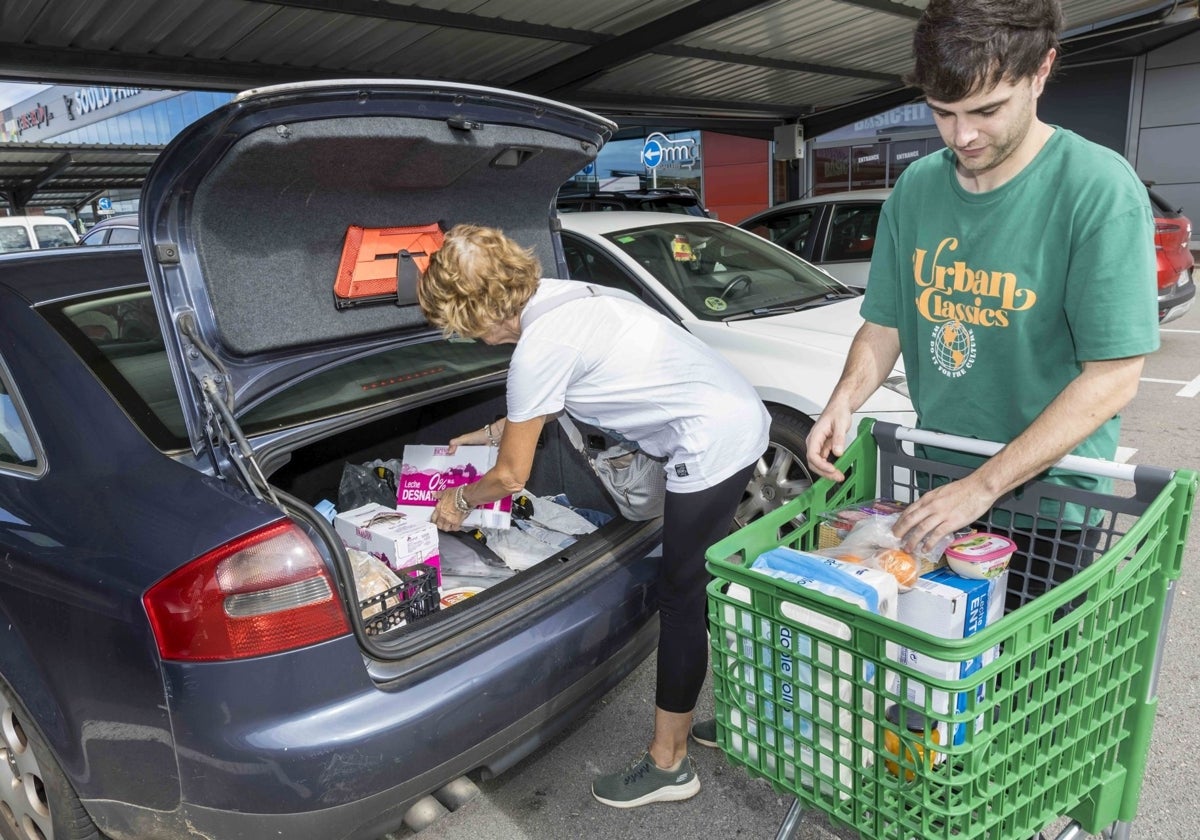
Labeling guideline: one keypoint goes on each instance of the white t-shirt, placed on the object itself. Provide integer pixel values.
(619, 365)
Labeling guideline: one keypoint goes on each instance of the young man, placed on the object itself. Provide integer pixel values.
(1013, 270)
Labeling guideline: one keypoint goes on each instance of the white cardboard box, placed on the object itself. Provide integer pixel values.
(394, 538)
(946, 605)
(428, 470)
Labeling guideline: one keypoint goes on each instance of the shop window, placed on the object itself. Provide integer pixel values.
(901, 154)
(868, 167)
(831, 170)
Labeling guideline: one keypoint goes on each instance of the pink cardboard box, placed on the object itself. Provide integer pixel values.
(394, 538)
(428, 470)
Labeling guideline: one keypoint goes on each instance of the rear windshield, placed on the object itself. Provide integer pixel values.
(53, 236)
(118, 337)
(14, 238)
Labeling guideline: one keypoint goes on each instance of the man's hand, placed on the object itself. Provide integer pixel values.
(827, 442)
(940, 512)
(873, 353)
(1101, 390)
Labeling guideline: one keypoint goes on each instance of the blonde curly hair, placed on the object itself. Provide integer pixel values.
(478, 279)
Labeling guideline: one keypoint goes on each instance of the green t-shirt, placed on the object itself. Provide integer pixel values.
(1000, 297)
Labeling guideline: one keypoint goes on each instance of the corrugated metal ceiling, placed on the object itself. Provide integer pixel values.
(740, 66)
(743, 65)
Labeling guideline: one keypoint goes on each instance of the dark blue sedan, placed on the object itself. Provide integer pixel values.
(184, 651)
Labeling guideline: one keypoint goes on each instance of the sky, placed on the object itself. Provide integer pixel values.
(11, 92)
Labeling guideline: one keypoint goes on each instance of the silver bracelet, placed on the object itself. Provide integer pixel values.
(492, 439)
(460, 503)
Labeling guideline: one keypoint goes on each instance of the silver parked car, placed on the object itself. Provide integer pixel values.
(835, 231)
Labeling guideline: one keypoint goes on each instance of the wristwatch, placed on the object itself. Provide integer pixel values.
(460, 503)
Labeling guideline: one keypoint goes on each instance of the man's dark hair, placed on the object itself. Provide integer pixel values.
(964, 46)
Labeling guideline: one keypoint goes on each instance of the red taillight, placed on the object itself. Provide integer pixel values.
(266, 592)
(1172, 234)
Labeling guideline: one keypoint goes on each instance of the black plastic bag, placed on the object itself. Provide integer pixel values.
(362, 484)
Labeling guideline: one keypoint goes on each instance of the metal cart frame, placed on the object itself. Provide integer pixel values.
(1055, 722)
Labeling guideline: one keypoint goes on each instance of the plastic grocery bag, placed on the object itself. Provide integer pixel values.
(871, 543)
(363, 484)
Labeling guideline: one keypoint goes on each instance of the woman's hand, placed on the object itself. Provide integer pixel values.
(446, 513)
(489, 435)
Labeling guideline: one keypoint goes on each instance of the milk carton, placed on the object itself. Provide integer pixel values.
(428, 470)
(946, 605)
(797, 672)
(390, 536)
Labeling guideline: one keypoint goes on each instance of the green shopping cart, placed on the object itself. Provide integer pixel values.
(1055, 723)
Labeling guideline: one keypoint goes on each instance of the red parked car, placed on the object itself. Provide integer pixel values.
(1172, 235)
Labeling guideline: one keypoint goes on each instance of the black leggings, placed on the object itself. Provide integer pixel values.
(691, 523)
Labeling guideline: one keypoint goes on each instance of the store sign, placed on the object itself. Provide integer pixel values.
(916, 114)
(660, 150)
(38, 117)
(86, 100)
(34, 121)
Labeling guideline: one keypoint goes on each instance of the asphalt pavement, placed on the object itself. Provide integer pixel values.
(547, 796)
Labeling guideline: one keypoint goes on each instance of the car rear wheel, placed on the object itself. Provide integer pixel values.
(36, 800)
(782, 472)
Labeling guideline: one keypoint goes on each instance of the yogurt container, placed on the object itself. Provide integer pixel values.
(980, 556)
(459, 593)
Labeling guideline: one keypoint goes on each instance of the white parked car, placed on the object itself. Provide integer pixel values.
(786, 325)
(33, 233)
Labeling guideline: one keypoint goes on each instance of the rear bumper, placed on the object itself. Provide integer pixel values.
(349, 755)
(1177, 300)
(374, 816)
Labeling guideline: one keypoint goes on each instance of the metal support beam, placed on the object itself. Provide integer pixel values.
(27, 191)
(568, 74)
(888, 7)
(774, 63)
(444, 19)
(86, 201)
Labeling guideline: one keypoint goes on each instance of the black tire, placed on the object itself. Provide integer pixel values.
(36, 800)
(782, 473)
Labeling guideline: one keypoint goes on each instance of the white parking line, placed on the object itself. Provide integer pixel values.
(1185, 332)
(1124, 453)
(1191, 388)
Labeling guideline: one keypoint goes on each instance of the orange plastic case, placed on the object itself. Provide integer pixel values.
(382, 265)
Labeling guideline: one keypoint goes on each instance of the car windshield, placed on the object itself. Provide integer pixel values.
(118, 337)
(721, 272)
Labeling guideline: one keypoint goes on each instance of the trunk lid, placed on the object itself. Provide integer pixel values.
(245, 213)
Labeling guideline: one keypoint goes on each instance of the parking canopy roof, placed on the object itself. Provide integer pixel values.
(740, 65)
(54, 175)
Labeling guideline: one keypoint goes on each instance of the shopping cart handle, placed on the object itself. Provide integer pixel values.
(987, 448)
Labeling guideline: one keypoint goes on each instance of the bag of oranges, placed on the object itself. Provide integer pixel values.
(871, 543)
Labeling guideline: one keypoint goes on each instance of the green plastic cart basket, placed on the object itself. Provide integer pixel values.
(1057, 723)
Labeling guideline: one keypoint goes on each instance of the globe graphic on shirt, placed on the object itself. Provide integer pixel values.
(953, 348)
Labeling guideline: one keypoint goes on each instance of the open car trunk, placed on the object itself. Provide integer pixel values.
(503, 567)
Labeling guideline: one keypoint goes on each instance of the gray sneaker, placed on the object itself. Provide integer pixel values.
(642, 783)
(704, 732)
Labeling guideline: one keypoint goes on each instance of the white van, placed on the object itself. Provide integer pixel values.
(31, 233)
